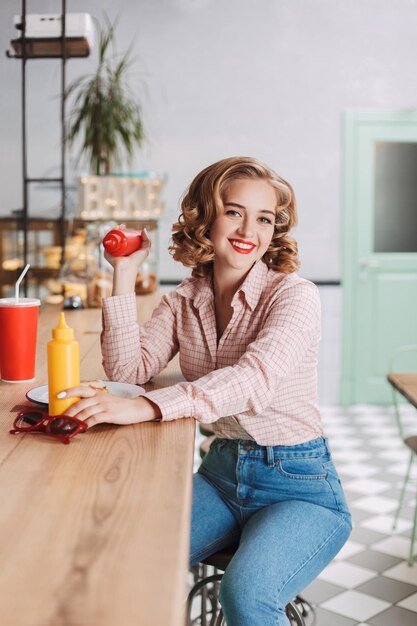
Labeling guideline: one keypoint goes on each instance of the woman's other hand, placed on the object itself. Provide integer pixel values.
(97, 406)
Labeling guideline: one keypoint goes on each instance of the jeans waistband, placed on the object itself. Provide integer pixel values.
(307, 449)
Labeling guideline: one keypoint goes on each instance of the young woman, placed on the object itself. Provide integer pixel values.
(247, 329)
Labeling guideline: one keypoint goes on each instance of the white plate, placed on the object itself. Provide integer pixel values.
(39, 395)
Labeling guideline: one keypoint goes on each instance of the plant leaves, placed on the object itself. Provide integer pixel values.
(104, 111)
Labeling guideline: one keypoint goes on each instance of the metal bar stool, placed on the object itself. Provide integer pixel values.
(299, 611)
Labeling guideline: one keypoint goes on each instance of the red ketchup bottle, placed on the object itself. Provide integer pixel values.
(122, 242)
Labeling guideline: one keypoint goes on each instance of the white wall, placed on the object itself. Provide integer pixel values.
(268, 78)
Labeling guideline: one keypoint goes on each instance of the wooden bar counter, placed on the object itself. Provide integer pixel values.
(94, 533)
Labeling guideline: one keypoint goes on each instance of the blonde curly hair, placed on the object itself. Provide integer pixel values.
(203, 202)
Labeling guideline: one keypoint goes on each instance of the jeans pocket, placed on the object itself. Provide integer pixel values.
(336, 486)
(307, 468)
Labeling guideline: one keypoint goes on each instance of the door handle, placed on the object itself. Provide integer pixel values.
(368, 263)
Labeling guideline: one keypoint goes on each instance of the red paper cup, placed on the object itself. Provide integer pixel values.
(18, 331)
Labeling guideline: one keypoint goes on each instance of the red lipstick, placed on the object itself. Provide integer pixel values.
(242, 246)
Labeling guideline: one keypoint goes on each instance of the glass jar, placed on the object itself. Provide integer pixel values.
(100, 272)
(147, 278)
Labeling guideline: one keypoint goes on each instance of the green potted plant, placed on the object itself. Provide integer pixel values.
(105, 112)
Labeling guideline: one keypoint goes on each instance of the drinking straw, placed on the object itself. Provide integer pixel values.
(19, 280)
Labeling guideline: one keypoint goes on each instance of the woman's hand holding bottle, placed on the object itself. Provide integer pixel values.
(126, 267)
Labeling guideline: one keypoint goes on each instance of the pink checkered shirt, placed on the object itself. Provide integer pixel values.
(258, 382)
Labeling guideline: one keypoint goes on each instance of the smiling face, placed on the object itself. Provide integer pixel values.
(243, 230)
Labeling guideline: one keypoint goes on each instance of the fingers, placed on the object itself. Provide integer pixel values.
(77, 408)
(90, 411)
(85, 412)
(146, 240)
(81, 391)
(140, 255)
(100, 417)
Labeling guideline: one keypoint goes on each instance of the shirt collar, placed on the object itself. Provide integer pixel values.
(253, 284)
(199, 290)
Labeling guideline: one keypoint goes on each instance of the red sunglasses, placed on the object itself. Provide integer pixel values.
(61, 427)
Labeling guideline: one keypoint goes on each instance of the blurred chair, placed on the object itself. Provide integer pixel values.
(406, 385)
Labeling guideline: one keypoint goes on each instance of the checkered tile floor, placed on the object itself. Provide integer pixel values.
(369, 582)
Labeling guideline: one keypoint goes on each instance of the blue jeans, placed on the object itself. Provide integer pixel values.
(284, 506)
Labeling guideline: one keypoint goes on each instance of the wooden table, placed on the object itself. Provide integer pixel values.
(94, 533)
(406, 385)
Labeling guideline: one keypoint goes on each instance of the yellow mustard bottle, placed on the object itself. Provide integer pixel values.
(63, 366)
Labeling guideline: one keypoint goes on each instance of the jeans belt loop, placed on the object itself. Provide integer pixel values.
(270, 456)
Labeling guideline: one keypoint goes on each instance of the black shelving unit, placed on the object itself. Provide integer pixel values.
(27, 49)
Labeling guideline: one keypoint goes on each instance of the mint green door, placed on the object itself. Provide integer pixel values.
(380, 250)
